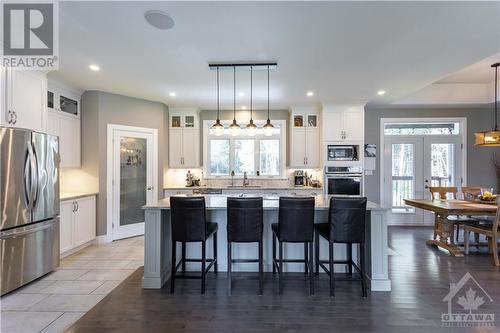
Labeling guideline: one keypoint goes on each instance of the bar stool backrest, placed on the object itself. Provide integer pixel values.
(188, 219)
(244, 219)
(347, 218)
(296, 219)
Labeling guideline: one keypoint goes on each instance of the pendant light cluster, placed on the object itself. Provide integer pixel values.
(491, 138)
(251, 127)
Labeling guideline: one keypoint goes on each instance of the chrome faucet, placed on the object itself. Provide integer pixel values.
(232, 177)
(246, 182)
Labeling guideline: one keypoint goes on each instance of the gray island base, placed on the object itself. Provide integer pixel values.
(157, 247)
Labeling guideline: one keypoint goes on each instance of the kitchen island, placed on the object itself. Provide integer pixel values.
(157, 249)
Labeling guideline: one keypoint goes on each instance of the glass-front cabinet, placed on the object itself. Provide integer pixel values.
(62, 100)
(184, 137)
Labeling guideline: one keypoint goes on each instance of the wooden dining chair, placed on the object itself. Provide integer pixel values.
(487, 229)
(443, 192)
(470, 193)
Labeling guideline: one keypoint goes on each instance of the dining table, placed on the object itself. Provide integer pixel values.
(444, 227)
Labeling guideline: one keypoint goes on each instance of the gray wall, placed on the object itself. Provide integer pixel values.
(480, 170)
(100, 109)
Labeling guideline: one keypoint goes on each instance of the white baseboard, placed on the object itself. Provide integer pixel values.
(103, 239)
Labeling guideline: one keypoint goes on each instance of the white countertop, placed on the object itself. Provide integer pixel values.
(267, 188)
(63, 196)
(271, 202)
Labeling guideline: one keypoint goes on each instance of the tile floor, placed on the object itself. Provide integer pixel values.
(57, 300)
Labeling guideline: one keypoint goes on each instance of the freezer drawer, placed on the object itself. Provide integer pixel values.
(28, 253)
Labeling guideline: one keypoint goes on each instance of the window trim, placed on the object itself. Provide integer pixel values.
(206, 149)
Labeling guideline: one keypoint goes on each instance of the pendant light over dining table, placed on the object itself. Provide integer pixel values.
(491, 138)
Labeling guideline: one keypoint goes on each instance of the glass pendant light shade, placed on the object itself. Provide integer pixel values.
(234, 128)
(491, 138)
(268, 127)
(217, 128)
(251, 128)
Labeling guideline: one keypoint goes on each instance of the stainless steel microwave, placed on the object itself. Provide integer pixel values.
(342, 153)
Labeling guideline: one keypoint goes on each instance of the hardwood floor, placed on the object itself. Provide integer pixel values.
(421, 278)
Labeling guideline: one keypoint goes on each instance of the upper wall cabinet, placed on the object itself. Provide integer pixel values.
(64, 121)
(304, 139)
(184, 138)
(23, 99)
(344, 123)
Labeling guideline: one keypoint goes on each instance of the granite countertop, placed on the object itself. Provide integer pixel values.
(218, 201)
(75, 195)
(250, 187)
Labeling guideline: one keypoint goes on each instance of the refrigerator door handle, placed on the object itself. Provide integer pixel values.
(27, 184)
(25, 230)
(35, 176)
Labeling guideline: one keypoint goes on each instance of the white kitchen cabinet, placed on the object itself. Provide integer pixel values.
(66, 226)
(343, 123)
(25, 97)
(77, 222)
(304, 148)
(64, 121)
(184, 148)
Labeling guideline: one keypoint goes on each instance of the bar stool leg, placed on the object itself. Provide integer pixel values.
(280, 268)
(261, 268)
(215, 252)
(311, 270)
(203, 262)
(330, 259)
(362, 262)
(316, 244)
(274, 253)
(172, 271)
(349, 259)
(305, 259)
(183, 258)
(229, 262)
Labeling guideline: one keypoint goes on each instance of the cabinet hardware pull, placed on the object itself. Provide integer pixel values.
(15, 117)
(9, 117)
(77, 206)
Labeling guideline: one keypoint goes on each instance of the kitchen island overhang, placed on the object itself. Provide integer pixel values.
(157, 242)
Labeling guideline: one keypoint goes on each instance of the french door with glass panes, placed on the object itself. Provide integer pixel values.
(413, 163)
(134, 178)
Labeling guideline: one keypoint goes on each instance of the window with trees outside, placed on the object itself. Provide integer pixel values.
(257, 155)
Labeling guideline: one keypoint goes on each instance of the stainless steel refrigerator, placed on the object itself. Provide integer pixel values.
(29, 206)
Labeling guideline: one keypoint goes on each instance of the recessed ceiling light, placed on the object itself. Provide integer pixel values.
(381, 92)
(243, 107)
(310, 93)
(172, 94)
(94, 68)
(241, 94)
(159, 19)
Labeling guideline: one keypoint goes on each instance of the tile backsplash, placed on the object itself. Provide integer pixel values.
(176, 178)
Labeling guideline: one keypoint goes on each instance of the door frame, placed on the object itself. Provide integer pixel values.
(463, 133)
(111, 128)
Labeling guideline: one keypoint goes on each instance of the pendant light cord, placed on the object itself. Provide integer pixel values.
(268, 93)
(234, 93)
(218, 105)
(251, 94)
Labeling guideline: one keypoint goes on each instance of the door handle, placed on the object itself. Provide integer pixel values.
(150, 188)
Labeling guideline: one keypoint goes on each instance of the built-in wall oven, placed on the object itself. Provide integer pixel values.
(346, 180)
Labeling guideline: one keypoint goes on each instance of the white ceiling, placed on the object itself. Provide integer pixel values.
(343, 51)
(480, 72)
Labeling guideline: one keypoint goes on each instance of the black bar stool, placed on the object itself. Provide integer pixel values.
(295, 225)
(346, 224)
(244, 225)
(189, 225)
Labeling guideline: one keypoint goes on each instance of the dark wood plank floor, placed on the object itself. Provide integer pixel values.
(421, 277)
